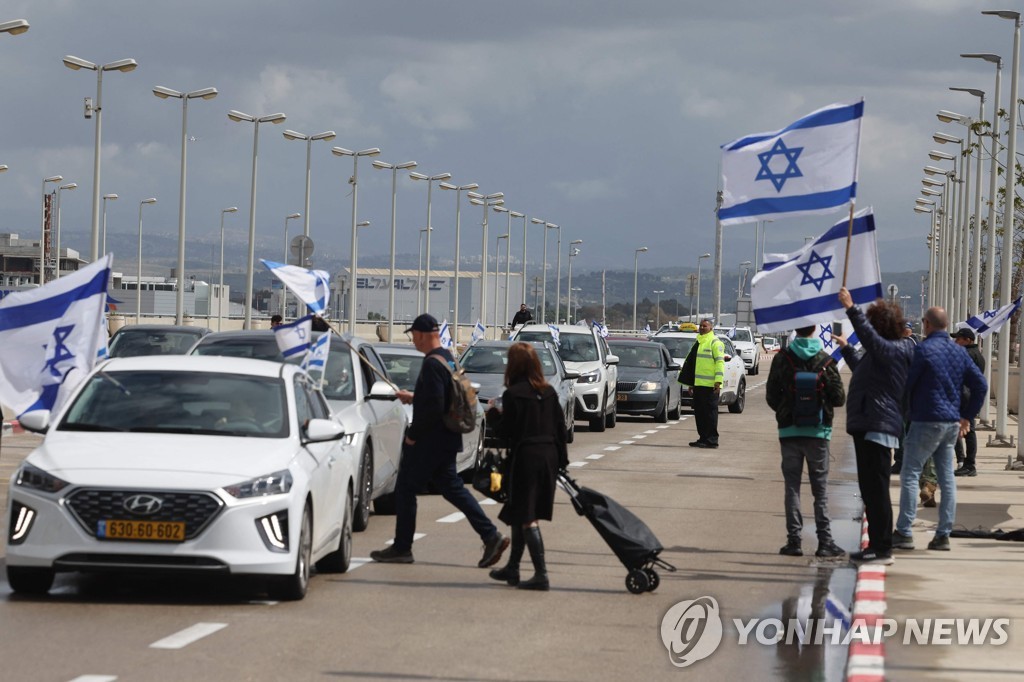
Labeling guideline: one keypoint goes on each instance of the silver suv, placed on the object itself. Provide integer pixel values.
(743, 340)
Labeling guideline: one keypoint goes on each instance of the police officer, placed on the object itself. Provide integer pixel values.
(709, 373)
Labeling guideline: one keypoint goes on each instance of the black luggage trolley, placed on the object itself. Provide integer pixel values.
(628, 537)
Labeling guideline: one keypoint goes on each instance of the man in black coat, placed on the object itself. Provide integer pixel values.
(522, 317)
(429, 454)
(965, 338)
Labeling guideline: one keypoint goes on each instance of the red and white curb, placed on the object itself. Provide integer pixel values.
(866, 661)
(12, 427)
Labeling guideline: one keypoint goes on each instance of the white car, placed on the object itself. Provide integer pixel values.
(185, 464)
(743, 340)
(734, 389)
(583, 350)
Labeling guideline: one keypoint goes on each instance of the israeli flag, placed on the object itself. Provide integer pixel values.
(831, 347)
(446, 336)
(601, 329)
(294, 337)
(800, 289)
(312, 287)
(732, 332)
(992, 320)
(554, 334)
(647, 330)
(807, 167)
(49, 333)
(479, 330)
(316, 357)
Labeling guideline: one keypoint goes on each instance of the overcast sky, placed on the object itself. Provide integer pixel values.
(604, 117)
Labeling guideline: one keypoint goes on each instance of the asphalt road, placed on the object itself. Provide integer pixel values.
(717, 512)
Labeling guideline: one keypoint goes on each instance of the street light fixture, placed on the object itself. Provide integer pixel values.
(544, 268)
(940, 156)
(431, 179)
(42, 237)
(508, 251)
(573, 252)
(394, 168)
(975, 271)
(636, 267)
(658, 293)
(699, 259)
(124, 66)
(165, 93)
(240, 117)
(497, 269)
(220, 285)
(494, 199)
(284, 290)
(354, 181)
(106, 197)
(14, 27)
(327, 135)
(138, 270)
(577, 290)
(56, 270)
(458, 245)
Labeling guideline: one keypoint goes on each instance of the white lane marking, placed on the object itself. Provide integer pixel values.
(95, 678)
(356, 562)
(180, 640)
(626, 442)
(577, 464)
(652, 430)
(594, 456)
(663, 426)
(452, 518)
(415, 537)
(263, 602)
(487, 501)
(638, 436)
(612, 448)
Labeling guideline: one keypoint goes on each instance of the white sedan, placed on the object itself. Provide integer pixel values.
(191, 464)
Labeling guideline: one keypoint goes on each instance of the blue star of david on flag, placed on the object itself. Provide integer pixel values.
(826, 273)
(826, 329)
(791, 171)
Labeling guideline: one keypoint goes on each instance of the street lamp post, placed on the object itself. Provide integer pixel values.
(138, 269)
(220, 284)
(508, 250)
(238, 116)
(976, 298)
(284, 289)
(961, 242)
(458, 245)
(495, 199)
(431, 179)
(42, 237)
(544, 269)
(573, 252)
(497, 269)
(164, 93)
(394, 168)
(355, 259)
(636, 270)
(525, 223)
(56, 241)
(106, 197)
(327, 136)
(419, 261)
(354, 181)
(124, 66)
(739, 280)
(658, 293)
(577, 290)
(699, 259)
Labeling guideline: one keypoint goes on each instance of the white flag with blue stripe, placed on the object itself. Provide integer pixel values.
(479, 330)
(992, 320)
(294, 338)
(800, 289)
(553, 328)
(807, 167)
(601, 329)
(445, 336)
(50, 332)
(315, 359)
(647, 330)
(833, 348)
(311, 286)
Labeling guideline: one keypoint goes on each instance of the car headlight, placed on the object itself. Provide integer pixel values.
(648, 386)
(33, 477)
(590, 377)
(277, 483)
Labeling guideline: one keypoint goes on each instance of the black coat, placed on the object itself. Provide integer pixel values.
(533, 426)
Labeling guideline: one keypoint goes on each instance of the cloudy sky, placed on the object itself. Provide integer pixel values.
(604, 117)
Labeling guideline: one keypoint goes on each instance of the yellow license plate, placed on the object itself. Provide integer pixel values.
(622, 397)
(158, 531)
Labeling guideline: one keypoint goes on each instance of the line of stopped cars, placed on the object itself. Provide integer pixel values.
(230, 460)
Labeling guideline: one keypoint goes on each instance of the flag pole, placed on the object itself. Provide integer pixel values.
(849, 238)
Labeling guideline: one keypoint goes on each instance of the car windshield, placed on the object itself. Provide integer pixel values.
(165, 401)
(678, 346)
(571, 347)
(339, 376)
(404, 369)
(742, 335)
(637, 356)
(129, 343)
(258, 347)
(492, 360)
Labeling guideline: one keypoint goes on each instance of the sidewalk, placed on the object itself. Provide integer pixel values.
(979, 578)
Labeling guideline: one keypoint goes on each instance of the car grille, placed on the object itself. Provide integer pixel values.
(625, 386)
(196, 509)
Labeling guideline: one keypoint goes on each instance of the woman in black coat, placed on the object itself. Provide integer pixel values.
(532, 424)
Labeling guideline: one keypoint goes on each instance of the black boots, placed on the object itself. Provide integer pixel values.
(510, 573)
(536, 544)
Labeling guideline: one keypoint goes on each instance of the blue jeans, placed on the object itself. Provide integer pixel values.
(924, 440)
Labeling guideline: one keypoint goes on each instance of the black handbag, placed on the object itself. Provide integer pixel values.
(492, 462)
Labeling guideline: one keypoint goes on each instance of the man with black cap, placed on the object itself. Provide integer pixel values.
(429, 453)
(964, 337)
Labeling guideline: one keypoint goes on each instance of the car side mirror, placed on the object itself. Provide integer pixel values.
(322, 430)
(382, 390)
(673, 367)
(612, 359)
(36, 421)
(728, 357)
(571, 374)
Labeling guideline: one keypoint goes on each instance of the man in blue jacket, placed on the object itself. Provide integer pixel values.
(937, 417)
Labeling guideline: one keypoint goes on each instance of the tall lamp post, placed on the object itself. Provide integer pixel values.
(740, 286)
(355, 259)
(508, 250)
(42, 237)
(354, 181)
(124, 66)
(394, 168)
(164, 93)
(419, 261)
(220, 283)
(327, 136)
(56, 269)
(699, 259)
(525, 223)
(431, 179)
(658, 293)
(636, 271)
(284, 259)
(494, 199)
(577, 290)
(962, 239)
(497, 269)
(103, 240)
(544, 268)
(239, 117)
(138, 264)
(459, 189)
(573, 252)
(976, 297)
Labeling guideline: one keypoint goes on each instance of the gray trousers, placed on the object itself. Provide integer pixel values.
(794, 452)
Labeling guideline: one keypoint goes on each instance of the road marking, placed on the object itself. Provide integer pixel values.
(415, 537)
(652, 430)
(452, 518)
(626, 442)
(638, 436)
(487, 501)
(594, 456)
(663, 426)
(95, 678)
(577, 464)
(356, 562)
(613, 448)
(180, 640)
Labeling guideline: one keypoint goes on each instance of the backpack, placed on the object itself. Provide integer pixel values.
(461, 414)
(808, 391)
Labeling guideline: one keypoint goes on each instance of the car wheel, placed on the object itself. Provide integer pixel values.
(293, 587)
(736, 407)
(677, 410)
(362, 516)
(610, 418)
(340, 559)
(597, 423)
(662, 416)
(30, 580)
(570, 429)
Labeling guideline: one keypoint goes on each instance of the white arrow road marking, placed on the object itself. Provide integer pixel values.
(180, 640)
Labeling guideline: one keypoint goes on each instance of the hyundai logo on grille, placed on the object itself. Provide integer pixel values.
(143, 504)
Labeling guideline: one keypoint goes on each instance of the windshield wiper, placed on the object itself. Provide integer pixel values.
(114, 381)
